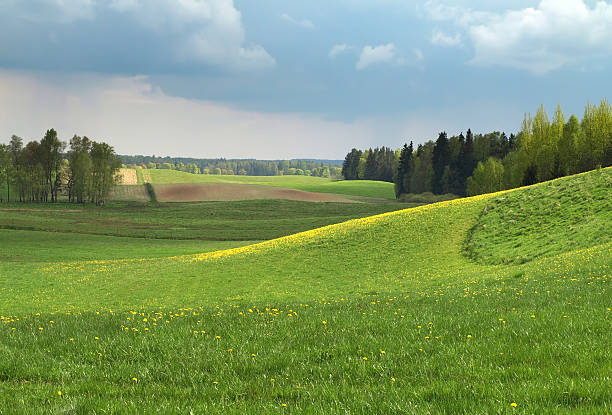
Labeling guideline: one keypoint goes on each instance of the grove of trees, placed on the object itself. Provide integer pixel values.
(41, 171)
(471, 164)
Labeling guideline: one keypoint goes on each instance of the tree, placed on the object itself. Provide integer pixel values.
(351, 164)
(403, 173)
(567, 146)
(51, 160)
(14, 148)
(466, 160)
(5, 170)
(80, 169)
(371, 167)
(422, 169)
(546, 136)
(441, 158)
(361, 166)
(488, 177)
(105, 164)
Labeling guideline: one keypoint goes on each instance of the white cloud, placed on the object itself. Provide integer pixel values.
(211, 30)
(305, 23)
(552, 35)
(372, 55)
(338, 50)
(440, 38)
(207, 31)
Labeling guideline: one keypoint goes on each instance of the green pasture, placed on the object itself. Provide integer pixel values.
(248, 220)
(422, 310)
(42, 246)
(363, 188)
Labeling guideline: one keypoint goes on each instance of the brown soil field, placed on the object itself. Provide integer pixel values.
(200, 192)
(128, 176)
(129, 193)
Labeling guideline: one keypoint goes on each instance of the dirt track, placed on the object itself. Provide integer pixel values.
(201, 192)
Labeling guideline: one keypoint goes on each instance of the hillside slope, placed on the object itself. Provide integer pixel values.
(385, 314)
(388, 252)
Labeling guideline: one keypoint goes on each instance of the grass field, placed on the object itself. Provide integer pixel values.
(40, 246)
(223, 221)
(363, 188)
(129, 193)
(384, 314)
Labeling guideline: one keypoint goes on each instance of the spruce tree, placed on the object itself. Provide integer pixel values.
(441, 159)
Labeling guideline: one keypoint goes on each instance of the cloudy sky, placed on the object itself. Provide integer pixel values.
(274, 79)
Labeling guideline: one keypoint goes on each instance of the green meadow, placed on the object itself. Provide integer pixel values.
(360, 188)
(496, 304)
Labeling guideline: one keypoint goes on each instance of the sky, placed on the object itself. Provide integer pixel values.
(272, 79)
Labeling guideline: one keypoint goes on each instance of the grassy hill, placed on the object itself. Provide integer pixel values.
(384, 314)
(364, 188)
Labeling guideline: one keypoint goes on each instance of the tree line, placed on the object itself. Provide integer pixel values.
(318, 168)
(42, 171)
(467, 165)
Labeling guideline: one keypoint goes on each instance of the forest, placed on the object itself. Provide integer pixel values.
(41, 171)
(467, 165)
(244, 167)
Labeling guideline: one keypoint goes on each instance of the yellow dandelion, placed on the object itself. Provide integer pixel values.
(59, 393)
(364, 358)
(382, 352)
(392, 379)
(469, 336)
(135, 379)
(324, 322)
(513, 404)
(284, 405)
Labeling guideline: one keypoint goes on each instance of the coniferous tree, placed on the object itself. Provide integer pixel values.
(441, 158)
(403, 174)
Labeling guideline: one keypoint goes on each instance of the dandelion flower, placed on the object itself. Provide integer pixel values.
(513, 404)
(59, 393)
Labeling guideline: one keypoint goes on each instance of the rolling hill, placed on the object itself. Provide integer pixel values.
(361, 188)
(491, 304)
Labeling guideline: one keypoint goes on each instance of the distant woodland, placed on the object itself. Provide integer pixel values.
(248, 167)
(40, 171)
(469, 164)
